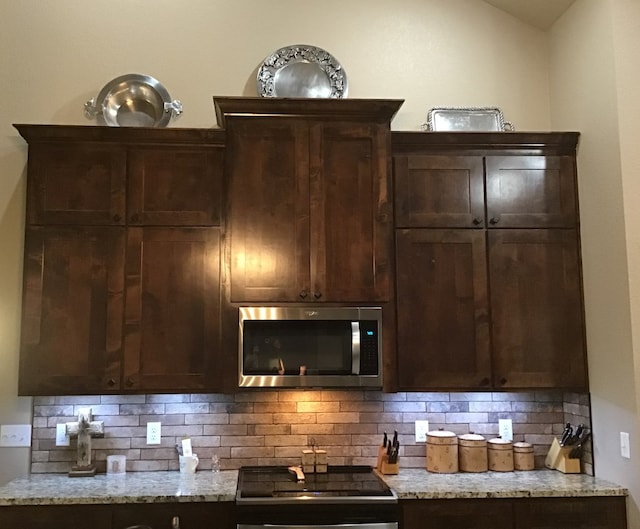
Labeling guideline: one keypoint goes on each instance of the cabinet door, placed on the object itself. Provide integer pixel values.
(571, 513)
(351, 215)
(536, 307)
(79, 183)
(72, 310)
(173, 186)
(172, 311)
(185, 515)
(531, 191)
(443, 333)
(457, 514)
(433, 191)
(55, 516)
(268, 219)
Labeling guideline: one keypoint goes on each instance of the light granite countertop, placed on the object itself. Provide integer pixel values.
(171, 486)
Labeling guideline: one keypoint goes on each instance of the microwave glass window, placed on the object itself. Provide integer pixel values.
(297, 347)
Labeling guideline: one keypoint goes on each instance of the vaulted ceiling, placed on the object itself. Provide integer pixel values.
(539, 13)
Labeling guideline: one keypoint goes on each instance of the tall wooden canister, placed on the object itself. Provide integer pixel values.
(500, 454)
(472, 451)
(442, 452)
(523, 456)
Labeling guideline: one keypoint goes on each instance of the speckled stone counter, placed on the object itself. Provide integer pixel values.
(133, 487)
(419, 484)
(167, 487)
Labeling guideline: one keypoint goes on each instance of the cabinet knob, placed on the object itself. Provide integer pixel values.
(503, 381)
(111, 382)
(317, 295)
(484, 381)
(134, 218)
(477, 221)
(175, 522)
(303, 294)
(494, 220)
(116, 218)
(129, 382)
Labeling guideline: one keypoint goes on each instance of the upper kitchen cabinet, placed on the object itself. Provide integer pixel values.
(309, 199)
(488, 279)
(485, 184)
(122, 260)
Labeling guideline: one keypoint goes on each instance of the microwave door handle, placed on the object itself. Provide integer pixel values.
(355, 347)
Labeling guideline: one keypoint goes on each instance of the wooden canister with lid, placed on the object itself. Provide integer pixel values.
(442, 452)
(500, 454)
(472, 451)
(523, 456)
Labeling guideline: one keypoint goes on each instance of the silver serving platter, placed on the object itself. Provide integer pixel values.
(302, 71)
(133, 100)
(477, 119)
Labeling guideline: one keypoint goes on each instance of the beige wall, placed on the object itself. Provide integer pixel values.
(594, 80)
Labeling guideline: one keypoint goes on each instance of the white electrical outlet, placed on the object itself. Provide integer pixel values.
(625, 449)
(505, 427)
(62, 439)
(15, 435)
(153, 433)
(422, 427)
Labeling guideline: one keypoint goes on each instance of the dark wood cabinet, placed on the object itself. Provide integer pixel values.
(488, 275)
(55, 516)
(179, 515)
(122, 260)
(518, 513)
(309, 215)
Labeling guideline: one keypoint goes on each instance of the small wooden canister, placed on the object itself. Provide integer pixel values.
(472, 450)
(442, 452)
(523, 456)
(500, 454)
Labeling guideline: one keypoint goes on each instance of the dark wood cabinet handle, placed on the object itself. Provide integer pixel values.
(129, 382)
(477, 221)
(503, 381)
(116, 218)
(494, 220)
(484, 381)
(134, 218)
(303, 294)
(317, 295)
(175, 522)
(111, 382)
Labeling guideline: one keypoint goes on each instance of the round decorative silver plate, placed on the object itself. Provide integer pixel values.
(302, 71)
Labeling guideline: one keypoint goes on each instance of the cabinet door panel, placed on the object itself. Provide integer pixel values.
(161, 516)
(443, 334)
(531, 191)
(77, 183)
(72, 310)
(351, 221)
(172, 311)
(175, 187)
(457, 514)
(536, 304)
(268, 221)
(439, 191)
(55, 516)
(571, 513)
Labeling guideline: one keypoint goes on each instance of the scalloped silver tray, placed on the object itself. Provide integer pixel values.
(478, 119)
(302, 71)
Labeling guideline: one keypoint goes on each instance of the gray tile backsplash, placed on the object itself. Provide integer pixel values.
(267, 427)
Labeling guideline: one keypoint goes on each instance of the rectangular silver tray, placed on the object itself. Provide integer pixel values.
(479, 119)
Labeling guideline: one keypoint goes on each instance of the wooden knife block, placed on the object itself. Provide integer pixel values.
(558, 459)
(383, 464)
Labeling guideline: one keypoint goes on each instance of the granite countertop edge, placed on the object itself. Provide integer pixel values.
(171, 487)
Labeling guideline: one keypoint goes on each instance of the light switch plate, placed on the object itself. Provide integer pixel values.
(15, 435)
(625, 449)
(505, 427)
(62, 439)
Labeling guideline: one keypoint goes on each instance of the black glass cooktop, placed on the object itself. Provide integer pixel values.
(279, 484)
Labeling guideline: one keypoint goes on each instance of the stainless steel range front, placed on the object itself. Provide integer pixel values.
(345, 496)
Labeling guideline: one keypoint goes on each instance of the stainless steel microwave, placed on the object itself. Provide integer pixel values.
(311, 346)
